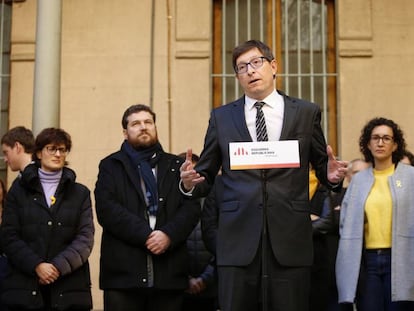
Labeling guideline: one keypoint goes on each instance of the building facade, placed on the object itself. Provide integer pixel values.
(165, 53)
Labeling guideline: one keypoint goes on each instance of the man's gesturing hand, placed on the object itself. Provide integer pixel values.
(188, 175)
(336, 169)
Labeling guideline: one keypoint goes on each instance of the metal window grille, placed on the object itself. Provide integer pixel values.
(296, 30)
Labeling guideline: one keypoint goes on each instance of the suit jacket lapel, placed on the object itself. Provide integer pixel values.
(239, 119)
(289, 115)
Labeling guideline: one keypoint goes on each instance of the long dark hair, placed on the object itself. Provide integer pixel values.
(398, 138)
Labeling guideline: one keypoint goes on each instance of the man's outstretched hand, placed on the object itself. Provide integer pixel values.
(189, 176)
(336, 169)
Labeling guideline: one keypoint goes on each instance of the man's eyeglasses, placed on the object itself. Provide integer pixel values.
(386, 139)
(255, 63)
(53, 149)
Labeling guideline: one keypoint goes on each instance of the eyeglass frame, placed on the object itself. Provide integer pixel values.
(262, 58)
(386, 139)
(52, 150)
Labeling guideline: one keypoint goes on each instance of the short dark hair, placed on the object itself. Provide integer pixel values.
(21, 135)
(134, 109)
(398, 138)
(247, 46)
(51, 135)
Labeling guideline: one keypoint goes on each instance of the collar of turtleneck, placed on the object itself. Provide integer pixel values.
(49, 182)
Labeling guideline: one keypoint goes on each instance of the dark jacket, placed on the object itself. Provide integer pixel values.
(209, 215)
(61, 234)
(122, 213)
(202, 262)
(287, 189)
(322, 207)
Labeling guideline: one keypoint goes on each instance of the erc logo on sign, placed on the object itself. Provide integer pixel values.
(240, 151)
(264, 155)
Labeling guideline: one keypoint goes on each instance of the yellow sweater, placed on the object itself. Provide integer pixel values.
(313, 183)
(378, 212)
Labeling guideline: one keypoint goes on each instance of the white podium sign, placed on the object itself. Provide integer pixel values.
(264, 154)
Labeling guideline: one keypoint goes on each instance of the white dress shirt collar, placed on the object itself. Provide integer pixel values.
(273, 100)
(273, 112)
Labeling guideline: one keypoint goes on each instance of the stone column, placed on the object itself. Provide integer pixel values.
(46, 98)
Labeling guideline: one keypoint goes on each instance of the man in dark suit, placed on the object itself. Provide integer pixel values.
(264, 238)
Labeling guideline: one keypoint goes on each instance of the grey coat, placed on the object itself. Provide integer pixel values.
(348, 260)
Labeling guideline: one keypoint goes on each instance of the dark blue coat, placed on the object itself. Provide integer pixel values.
(61, 234)
(122, 213)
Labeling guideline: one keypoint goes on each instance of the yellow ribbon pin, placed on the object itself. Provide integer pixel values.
(398, 183)
(52, 200)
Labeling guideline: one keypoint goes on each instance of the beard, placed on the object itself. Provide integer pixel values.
(143, 141)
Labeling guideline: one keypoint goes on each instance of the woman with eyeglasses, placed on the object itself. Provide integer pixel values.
(48, 232)
(375, 259)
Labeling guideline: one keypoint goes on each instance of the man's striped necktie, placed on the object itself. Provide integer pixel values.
(261, 132)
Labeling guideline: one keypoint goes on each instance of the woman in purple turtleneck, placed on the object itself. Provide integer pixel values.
(48, 232)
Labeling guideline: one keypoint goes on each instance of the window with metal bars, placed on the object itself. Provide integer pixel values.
(301, 34)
